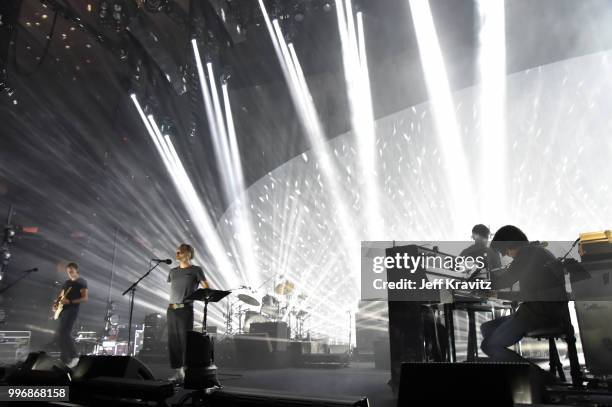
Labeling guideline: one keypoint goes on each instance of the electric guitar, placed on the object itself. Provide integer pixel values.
(59, 307)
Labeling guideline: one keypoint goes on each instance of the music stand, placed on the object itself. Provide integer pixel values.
(207, 295)
(200, 371)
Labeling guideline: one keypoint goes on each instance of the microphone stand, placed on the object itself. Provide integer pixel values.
(132, 289)
(26, 273)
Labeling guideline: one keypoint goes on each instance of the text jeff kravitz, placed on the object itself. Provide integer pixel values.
(436, 284)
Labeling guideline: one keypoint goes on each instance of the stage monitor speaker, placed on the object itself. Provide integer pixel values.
(200, 371)
(119, 391)
(128, 367)
(39, 369)
(469, 384)
(199, 350)
(234, 397)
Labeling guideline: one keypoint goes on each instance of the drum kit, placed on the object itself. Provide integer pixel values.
(271, 308)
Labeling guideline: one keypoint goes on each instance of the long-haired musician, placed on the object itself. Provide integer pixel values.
(542, 286)
(74, 292)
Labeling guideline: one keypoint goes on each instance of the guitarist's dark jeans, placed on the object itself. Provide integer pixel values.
(64, 333)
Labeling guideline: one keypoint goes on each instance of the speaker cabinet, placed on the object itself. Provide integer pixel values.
(39, 369)
(469, 384)
(278, 332)
(128, 367)
(200, 372)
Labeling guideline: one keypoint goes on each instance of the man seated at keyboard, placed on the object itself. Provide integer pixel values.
(542, 289)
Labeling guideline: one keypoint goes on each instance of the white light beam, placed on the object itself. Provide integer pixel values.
(462, 203)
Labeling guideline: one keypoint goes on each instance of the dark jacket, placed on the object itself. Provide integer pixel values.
(541, 280)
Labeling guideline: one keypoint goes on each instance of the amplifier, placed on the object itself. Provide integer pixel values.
(155, 334)
(14, 345)
(595, 246)
(278, 332)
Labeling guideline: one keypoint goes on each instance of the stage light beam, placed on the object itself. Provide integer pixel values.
(225, 144)
(362, 117)
(303, 102)
(492, 72)
(224, 270)
(461, 202)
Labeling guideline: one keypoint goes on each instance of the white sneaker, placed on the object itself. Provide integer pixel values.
(72, 363)
(179, 376)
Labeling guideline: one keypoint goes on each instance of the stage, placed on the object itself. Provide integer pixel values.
(353, 382)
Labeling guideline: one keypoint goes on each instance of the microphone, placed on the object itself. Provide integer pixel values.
(31, 270)
(167, 261)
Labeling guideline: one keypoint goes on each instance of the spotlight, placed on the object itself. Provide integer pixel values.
(155, 6)
(298, 13)
(117, 12)
(103, 10)
(225, 76)
(167, 127)
(275, 11)
(290, 31)
(9, 234)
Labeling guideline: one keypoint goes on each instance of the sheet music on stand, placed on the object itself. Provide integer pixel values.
(207, 295)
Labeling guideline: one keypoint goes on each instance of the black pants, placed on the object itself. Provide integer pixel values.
(64, 333)
(506, 331)
(179, 322)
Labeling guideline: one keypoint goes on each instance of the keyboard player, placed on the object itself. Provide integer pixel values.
(480, 248)
(535, 268)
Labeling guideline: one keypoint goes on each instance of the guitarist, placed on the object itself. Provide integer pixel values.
(74, 293)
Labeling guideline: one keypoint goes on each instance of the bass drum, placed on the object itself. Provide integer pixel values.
(270, 306)
(250, 317)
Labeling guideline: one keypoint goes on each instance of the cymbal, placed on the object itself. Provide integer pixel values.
(247, 299)
(284, 288)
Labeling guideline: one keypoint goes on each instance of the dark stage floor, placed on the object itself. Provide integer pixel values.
(357, 380)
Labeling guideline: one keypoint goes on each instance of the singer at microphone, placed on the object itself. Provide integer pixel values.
(184, 280)
(167, 261)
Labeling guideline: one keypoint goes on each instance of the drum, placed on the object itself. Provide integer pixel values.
(252, 316)
(269, 300)
(270, 306)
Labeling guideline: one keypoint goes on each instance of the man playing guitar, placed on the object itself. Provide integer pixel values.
(74, 293)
